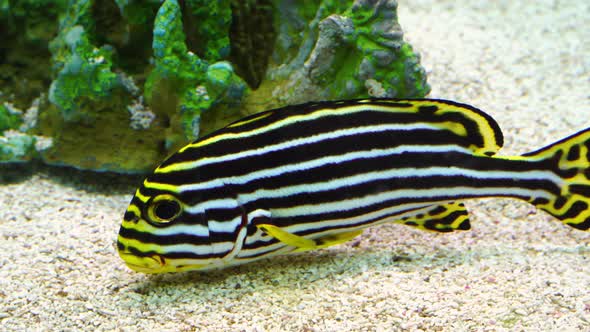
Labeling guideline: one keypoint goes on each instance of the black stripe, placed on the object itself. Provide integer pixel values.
(384, 163)
(380, 186)
(282, 113)
(576, 208)
(219, 214)
(244, 255)
(323, 125)
(411, 160)
(560, 142)
(306, 108)
(584, 226)
(356, 212)
(271, 240)
(173, 255)
(302, 153)
(195, 197)
(260, 243)
(178, 238)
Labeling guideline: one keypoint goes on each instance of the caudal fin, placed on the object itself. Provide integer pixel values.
(570, 159)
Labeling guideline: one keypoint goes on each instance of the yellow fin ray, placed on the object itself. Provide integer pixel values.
(334, 239)
(570, 159)
(286, 237)
(303, 244)
(467, 121)
(440, 218)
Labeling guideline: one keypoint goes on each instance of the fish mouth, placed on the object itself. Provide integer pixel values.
(155, 264)
(146, 264)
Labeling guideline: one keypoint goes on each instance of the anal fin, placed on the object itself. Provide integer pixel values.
(303, 244)
(440, 218)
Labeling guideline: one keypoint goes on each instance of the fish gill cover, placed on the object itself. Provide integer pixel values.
(118, 85)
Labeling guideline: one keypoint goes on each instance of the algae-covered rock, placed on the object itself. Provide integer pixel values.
(183, 85)
(119, 84)
(10, 118)
(207, 27)
(87, 116)
(26, 27)
(84, 78)
(358, 50)
(15, 145)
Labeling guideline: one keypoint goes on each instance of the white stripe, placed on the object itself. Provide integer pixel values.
(317, 114)
(385, 215)
(229, 226)
(195, 230)
(354, 224)
(224, 203)
(278, 247)
(396, 211)
(204, 249)
(237, 246)
(298, 142)
(388, 214)
(426, 194)
(342, 183)
(284, 169)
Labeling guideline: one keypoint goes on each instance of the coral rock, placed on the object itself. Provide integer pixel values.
(118, 85)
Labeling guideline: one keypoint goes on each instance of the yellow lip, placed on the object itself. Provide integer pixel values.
(155, 264)
(148, 264)
(142, 269)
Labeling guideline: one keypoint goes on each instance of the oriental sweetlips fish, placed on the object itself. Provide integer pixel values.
(314, 175)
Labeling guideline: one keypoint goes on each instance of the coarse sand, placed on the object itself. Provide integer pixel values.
(525, 62)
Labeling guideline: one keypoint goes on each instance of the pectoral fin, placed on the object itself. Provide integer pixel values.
(332, 240)
(441, 218)
(287, 238)
(303, 244)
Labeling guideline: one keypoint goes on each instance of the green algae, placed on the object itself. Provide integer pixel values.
(8, 119)
(124, 83)
(16, 147)
(85, 80)
(183, 85)
(206, 25)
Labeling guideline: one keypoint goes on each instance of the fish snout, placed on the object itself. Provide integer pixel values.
(144, 264)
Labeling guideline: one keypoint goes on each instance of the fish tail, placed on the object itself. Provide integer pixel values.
(568, 158)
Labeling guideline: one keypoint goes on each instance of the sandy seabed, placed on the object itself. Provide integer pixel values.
(525, 63)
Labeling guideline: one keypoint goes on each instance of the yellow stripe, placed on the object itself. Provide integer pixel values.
(483, 125)
(454, 127)
(161, 186)
(296, 118)
(141, 197)
(141, 246)
(133, 208)
(241, 123)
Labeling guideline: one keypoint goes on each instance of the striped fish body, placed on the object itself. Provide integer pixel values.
(310, 176)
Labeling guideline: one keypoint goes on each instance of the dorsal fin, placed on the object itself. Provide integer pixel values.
(481, 130)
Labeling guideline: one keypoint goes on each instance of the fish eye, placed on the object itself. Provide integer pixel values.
(163, 209)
